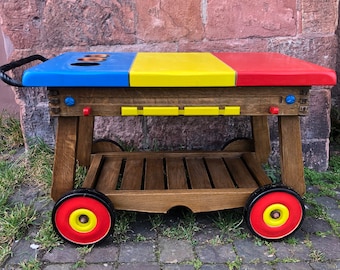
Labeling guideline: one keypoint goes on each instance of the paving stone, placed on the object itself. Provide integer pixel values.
(102, 255)
(216, 254)
(284, 250)
(251, 253)
(323, 266)
(139, 266)
(137, 252)
(25, 194)
(207, 235)
(290, 266)
(142, 227)
(337, 194)
(178, 267)
(214, 267)
(63, 254)
(58, 267)
(257, 266)
(312, 189)
(329, 246)
(299, 235)
(312, 225)
(175, 251)
(327, 202)
(97, 267)
(22, 252)
(334, 214)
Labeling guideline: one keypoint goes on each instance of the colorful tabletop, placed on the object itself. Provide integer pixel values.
(176, 69)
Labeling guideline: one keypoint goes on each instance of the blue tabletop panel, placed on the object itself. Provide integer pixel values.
(82, 69)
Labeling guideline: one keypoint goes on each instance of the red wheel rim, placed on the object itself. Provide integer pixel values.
(270, 200)
(97, 230)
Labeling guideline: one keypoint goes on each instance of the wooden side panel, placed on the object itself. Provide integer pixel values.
(154, 174)
(93, 172)
(252, 101)
(219, 173)
(133, 174)
(64, 157)
(198, 175)
(85, 138)
(261, 138)
(292, 171)
(202, 200)
(255, 168)
(109, 175)
(176, 176)
(240, 174)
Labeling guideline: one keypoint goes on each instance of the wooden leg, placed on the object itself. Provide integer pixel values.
(261, 138)
(64, 157)
(84, 141)
(292, 169)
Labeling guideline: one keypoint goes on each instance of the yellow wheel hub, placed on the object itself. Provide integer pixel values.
(275, 215)
(82, 220)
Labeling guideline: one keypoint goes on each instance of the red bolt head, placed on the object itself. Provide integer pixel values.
(273, 110)
(87, 111)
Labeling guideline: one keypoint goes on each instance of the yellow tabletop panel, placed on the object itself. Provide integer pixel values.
(180, 69)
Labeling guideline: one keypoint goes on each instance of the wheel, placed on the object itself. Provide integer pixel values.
(105, 145)
(274, 212)
(83, 217)
(239, 145)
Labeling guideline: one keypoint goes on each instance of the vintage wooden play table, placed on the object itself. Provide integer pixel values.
(84, 85)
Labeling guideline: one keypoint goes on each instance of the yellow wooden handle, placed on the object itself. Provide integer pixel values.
(175, 111)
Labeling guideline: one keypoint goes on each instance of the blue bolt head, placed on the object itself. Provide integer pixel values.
(69, 101)
(290, 99)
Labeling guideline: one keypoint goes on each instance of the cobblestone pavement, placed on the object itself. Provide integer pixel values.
(314, 246)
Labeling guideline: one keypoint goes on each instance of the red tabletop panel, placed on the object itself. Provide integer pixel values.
(274, 69)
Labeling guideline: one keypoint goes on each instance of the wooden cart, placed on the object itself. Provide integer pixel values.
(84, 85)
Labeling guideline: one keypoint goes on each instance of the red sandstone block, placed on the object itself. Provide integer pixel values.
(317, 125)
(20, 22)
(241, 19)
(169, 20)
(321, 50)
(230, 45)
(319, 16)
(79, 23)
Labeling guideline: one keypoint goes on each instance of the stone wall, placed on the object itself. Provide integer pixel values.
(299, 28)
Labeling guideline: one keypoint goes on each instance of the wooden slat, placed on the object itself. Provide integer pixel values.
(240, 173)
(176, 177)
(219, 173)
(197, 173)
(255, 168)
(261, 138)
(133, 174)
(65, 156)
(179, 154)
(292, 171)
(109, 175)
(93, 172)
(154, 174)
(85, 138)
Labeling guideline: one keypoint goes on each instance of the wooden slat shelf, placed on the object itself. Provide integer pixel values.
(156, 182)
